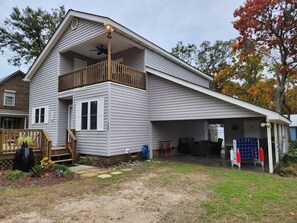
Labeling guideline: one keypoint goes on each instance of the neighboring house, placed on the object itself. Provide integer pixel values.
(143, 95)
(293, 127)
(14, 101)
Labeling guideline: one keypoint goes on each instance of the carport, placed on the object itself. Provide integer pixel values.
(181, 109)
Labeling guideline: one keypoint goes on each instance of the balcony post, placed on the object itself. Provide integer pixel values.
(109, 56)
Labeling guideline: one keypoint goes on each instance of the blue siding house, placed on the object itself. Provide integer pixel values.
(119, 91)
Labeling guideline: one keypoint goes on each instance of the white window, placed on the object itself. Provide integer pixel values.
(90, 115)
(40, 115)
(9, 98)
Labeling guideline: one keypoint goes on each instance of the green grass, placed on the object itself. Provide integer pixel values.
(247, 196)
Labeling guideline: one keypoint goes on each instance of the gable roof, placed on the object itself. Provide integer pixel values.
(118, 28)
(2, 80)
(271, 115)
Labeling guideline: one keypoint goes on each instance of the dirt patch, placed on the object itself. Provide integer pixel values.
(145, 198)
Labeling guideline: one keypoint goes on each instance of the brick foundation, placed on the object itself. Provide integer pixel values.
(108, 161)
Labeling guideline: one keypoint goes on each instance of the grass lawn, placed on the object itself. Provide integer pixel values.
(158, 192)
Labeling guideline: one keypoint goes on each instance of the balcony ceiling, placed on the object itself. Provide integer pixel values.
(119, 43)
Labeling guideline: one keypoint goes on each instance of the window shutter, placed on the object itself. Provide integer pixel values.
(46, 111)
(33, 116)
(100, 115)
(78, 116)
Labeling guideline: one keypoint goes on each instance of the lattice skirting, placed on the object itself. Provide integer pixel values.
(7, 164)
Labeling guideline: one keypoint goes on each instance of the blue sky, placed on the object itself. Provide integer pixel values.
(163, 22)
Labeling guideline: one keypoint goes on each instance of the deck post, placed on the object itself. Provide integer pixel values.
(109, 56)
(270, 158)
(276, 145)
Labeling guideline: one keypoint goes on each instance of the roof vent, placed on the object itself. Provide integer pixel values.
(74, 23)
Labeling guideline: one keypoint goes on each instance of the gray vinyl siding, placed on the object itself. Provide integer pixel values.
(170, 101)
(132, 57)
(92, 142)
(158, 62)
(173, 130)
(44, 84)
(67, 61)
(129, 119)
(62, 121)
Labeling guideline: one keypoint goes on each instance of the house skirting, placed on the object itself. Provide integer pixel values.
(109, 161)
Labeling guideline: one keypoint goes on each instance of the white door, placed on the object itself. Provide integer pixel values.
(70, 117)
(78, 64)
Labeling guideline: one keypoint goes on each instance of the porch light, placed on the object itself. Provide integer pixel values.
(109, 28)
(268, 125)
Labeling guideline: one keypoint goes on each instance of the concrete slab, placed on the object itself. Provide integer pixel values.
(116, 173)
(80, 168)
(126, 170)
(98, 171)
(88, 175)
(103, 176)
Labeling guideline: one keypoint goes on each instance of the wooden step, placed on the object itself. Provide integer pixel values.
(62, 161)
(62, 154)
(59, 150)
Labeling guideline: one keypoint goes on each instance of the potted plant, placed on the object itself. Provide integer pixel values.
(24, 157)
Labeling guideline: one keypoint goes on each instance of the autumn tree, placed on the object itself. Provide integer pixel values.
(186, 53)
(271, 24)
(26, 32)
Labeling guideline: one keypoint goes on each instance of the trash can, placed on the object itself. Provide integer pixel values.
(145, 152)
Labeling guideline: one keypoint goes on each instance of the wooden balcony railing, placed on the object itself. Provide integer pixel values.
(98, 73)
(9, 138)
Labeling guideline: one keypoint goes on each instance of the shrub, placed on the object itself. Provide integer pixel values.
(63, 171)
(37, 171)
(16, 174)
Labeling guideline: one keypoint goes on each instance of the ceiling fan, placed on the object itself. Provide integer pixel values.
(100, 50)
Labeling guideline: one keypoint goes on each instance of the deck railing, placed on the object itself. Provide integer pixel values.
(98, 73)
(9, 140)
(71, 142)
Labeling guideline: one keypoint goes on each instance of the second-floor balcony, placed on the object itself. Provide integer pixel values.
(101, 72)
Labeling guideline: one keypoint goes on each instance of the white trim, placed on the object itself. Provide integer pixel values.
(8, 93)
(70, 116)
(271, 115)
(46, 109)
(118, 28)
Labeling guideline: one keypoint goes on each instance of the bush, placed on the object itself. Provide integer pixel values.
(285, 169)
(63, 171)
(291, 157)
(16, 174)
(46, 163)
(37, 171)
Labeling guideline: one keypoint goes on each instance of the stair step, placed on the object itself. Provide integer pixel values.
(58, 148)
(62, 154)
(62, 161)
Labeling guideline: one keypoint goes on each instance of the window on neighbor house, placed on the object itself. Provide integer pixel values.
(9, 98)
(39, 115)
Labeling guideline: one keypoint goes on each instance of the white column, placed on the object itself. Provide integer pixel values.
(270, 158)
(280, 146)
(151, 141)
(25, 122)
(276, 143)
(284, 140)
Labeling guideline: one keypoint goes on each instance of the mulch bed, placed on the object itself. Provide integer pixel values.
(49, 178)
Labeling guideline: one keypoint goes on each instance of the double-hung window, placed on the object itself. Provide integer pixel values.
(9, 98)
(89, 115)
(40, 115)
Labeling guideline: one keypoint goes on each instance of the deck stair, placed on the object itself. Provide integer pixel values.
(61, 155)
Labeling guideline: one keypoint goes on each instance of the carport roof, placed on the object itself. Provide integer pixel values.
(271, 116)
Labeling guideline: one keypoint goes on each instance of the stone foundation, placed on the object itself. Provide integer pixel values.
(104, 161)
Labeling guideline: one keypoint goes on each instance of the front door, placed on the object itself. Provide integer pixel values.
(70, 117)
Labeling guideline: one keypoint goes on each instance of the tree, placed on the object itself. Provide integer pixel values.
(207, 58)
(27, 32)
(271, 24)
(186, 53)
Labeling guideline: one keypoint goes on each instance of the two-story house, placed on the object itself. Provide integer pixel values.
(119, 91)
(14, 101)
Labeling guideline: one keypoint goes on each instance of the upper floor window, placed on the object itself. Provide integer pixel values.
(9, 98)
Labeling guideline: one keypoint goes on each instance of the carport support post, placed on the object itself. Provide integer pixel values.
(276, 143)
(270, 159)
(280, 146)
(284, 139)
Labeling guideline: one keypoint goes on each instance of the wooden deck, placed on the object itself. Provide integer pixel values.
(99, 72)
